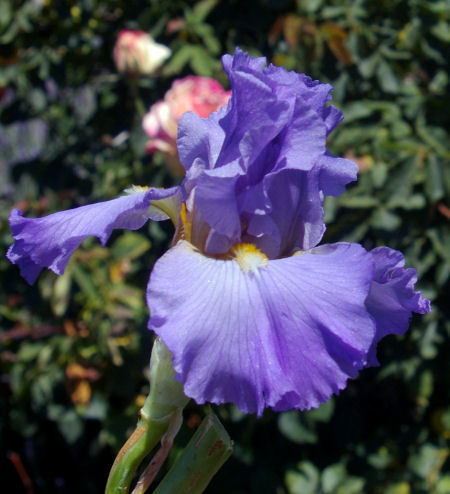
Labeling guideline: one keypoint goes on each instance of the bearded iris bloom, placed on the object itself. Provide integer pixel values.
(253, 310)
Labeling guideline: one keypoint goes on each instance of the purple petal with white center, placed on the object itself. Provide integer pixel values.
(287, 334)
(51, 240)
(392, 298)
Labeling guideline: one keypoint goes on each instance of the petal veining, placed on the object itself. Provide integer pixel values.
(51, 240)
(286, 336)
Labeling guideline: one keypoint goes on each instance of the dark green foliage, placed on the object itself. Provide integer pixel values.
(74, 349)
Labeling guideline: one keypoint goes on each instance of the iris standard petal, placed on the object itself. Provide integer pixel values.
(294, 217)
(296, 209)
(286, 334)
(51, 240)
(335, 174)
(392, 298)
(275, 121)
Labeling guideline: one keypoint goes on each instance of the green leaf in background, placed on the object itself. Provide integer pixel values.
(203, 8)
(434, 182)
(290, 425)
(303, 480)
(130, 245)
(386, 77)
(428, 461)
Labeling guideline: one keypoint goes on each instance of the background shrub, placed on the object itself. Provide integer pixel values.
(74, 349)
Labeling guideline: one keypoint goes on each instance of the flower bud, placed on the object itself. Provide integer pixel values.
(166, 394)
(137, 53)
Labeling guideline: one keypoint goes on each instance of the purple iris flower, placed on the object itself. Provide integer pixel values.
(252, 309)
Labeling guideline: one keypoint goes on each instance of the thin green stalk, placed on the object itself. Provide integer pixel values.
(135, 94)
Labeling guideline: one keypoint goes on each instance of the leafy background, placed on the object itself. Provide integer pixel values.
(74, 349)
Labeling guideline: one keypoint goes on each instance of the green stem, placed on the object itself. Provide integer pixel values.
(135, 94)
(144, 438)
(164, 403)
(205, 453)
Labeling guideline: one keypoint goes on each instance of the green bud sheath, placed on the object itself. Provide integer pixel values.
(205, 453)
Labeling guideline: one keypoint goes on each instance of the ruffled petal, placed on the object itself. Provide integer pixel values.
(275, 121)
(335, 174)
(199, 141)
(286, 334)
(392, 298)
(50, 241)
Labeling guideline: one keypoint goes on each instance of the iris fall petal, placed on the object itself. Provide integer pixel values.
(286, 334)
(51, 240)
(392, 298)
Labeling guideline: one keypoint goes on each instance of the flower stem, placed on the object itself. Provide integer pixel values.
(205, 453)
(162, 408)
(135, 94)
(155, 464)
(144, 438)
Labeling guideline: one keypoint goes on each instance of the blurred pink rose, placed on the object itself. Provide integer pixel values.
(137, 53)
(201, 95)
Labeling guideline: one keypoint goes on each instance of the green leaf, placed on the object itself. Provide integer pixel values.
(358, 202)
(130, 245)
(61, 293)
(29, 352)
(443, 485)
(303, 480)
(5, 14)
(332, 476)
(206, 32)
(381, 459)
(367, 66)
(434, 186)
(442, 31)
(439, 82)
(321, 414)
(202, 9)
(71, 426)
(351, 485)
(311, 6)
(379, 174)
(385, 220)
(85, 282)
(387, 78)
(201, 62)
(178, 60)
(414, 201)
(435, 137)
(401, 179)
(432, 52)
(358, 110)
(428, 460)
(330, 12)
(290, 425)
